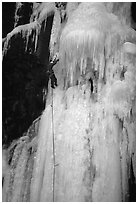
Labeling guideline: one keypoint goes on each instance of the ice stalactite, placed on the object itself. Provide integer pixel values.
(91, 113)
(93, 37)
(39, 15)
(54, 40)
(24, 30)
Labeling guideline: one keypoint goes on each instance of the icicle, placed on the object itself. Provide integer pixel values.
(6, 45)
(108, 45)
(101, 66)
(33, 37)
(55, 33)
(37, 35)
(96, 65)
(25, 30)
(121, 60)
(36, 38)
(26, 35)
(83, 67)
(27, 40)
(71, 74)
(87, 41)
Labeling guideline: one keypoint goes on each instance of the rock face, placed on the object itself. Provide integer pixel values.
(86, 138)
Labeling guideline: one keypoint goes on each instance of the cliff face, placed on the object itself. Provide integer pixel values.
(86, 137)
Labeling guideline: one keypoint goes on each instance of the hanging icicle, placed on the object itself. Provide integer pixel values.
(86, 34)
(54, 40)
(24, 30)
(39, 15)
